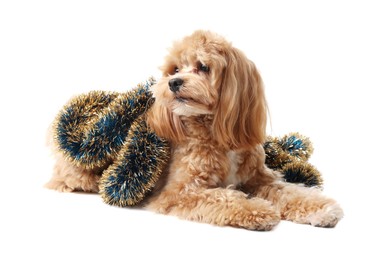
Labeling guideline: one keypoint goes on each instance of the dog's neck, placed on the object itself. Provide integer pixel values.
(198, 127)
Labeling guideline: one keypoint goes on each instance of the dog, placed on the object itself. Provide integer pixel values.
(210, 105)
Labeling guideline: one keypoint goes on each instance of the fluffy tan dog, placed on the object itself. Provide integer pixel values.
(210, 105)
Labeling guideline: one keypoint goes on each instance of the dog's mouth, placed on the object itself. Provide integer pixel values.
(190, 105)
(182, 99)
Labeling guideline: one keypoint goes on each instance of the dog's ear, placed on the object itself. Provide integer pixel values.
(241, 115)
(165, 123)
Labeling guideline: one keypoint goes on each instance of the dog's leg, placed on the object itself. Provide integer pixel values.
(294, 202)
(67, 178)
(301, 204)
(217, 206)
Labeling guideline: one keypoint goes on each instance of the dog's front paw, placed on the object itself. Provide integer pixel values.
(255, 215)
(262, 221)
(327, 216)
(308, 206)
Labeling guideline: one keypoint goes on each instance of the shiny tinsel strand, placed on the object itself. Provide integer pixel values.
(296, 145)
(91, 129)
(107, 130)
(137, 167)
(302, 172)
(289, 155)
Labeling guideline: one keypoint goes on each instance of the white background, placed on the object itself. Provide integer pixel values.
(323, 63)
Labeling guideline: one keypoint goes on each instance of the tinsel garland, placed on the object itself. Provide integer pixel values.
(107, 130)
(290, 155)
(92, 127)
(137, 167)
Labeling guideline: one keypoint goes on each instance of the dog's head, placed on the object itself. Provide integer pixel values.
(204, 75)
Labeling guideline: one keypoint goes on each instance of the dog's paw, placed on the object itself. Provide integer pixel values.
(263, 221)
(58, 186)
(328, 216)
(258, 215)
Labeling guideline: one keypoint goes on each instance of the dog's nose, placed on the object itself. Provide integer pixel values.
(175, 84)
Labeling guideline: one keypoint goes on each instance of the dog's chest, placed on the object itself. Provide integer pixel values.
(232, 178)
(215, 168)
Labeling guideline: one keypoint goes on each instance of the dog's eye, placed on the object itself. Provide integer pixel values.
(176, 70)
(203, 68)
